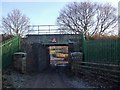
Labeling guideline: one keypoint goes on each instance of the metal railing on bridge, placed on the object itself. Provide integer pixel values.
(49, 29)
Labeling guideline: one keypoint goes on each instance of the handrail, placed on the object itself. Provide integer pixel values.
(48, 29)
(7, 41)
(101, 64)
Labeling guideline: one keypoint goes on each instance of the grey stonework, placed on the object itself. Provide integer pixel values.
(60, 38)
(36, 47)
(19, 61)
(76, 59)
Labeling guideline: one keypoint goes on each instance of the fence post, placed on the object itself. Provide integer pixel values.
(83, 46)
(19, 42)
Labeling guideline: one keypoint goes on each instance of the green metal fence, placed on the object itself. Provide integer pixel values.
(8, 48)
(102, 51)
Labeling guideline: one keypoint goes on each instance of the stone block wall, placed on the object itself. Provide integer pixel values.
(37, 56)
(76, 60)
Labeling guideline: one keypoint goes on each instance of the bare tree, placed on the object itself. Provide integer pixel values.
(106, 19)
(15, 23)
(87, 17)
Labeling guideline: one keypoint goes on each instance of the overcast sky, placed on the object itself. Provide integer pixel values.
(42, 12)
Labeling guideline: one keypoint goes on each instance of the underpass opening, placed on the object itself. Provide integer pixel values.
(40, 48)
(58, 55)
(48, 56)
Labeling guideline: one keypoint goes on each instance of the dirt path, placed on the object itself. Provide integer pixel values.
(56, 78)
(51, 78)
(48, 79)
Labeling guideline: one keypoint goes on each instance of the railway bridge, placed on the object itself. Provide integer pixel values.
(41, 39)
(95, 69)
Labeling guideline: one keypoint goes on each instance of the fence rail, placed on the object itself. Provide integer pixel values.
(106, 72)
(8, 48)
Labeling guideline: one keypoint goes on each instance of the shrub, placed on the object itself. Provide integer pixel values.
(103, 37)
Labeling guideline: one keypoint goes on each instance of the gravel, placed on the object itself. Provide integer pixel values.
(14, 79)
